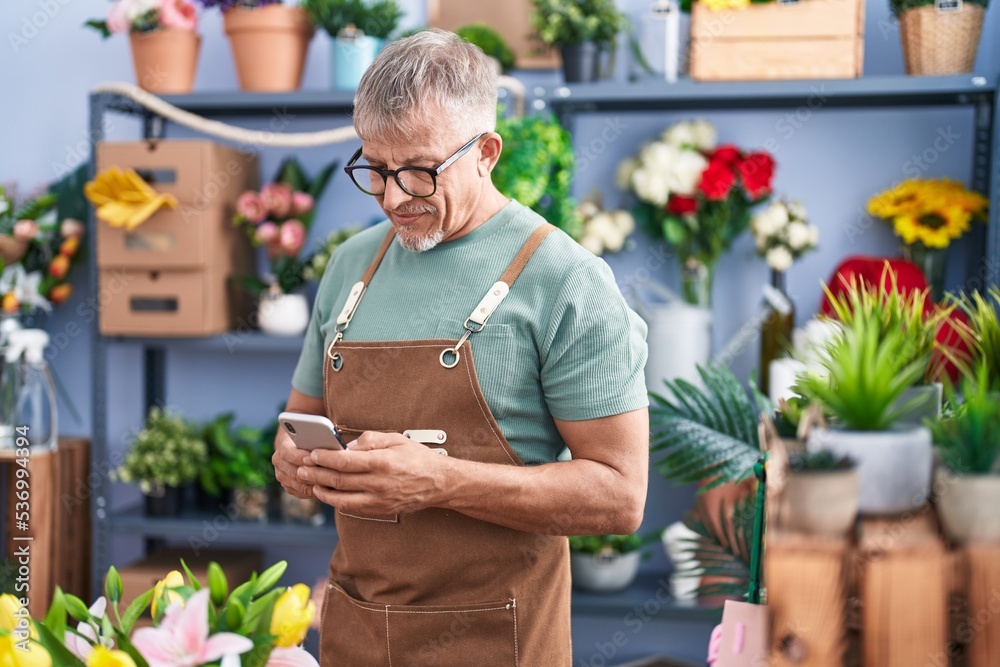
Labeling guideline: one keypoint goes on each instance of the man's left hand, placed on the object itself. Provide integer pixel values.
(379, 473)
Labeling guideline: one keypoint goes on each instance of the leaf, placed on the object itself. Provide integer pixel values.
(135, 610)
(322, 179)
(258, 616)
(77, 608)
(259, 654)
(270, 577)
(193, 580)
(290, 172)
(57, 650)
(99, 26)
(55, 618)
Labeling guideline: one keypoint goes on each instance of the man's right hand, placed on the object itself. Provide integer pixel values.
(288, 458)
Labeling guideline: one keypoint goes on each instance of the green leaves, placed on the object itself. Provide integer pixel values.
(968, 439)
(99, 26)
(378, 19)
(722, 548)
(217, 584)
(134, 611)
(568, 22)
(270, 577)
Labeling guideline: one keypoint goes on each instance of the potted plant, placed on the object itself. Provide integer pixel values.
(278, 218)
(251, 471)
(579, 29)
(939, 38)
(927, 215)
(215, 480)
(491, 42)
(867, 372)
(164, 41)
(269, 41)
(979, 333)
(605, 563)
(967, 442)
(166, 454)
(358, 29)
(820, 494)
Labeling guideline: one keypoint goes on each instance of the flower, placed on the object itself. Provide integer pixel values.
(932, 212)
(105, 657)
(178, 14)
(277, 197)
(799, 234)
(135, 9)
(704, 134)
(679, 205)
(650, 186)
(21, 288)
(69, 246)
(779, 258)
(796, 210)
(623, 175)
(79, 646)
(726, 154)
(9, 304)
(680, 135)
(722, 5)
(118, 20)
(266, 233)
(756, 172)
(18, 648)
(770, 221)
(182, 639)
(250, 206)
(25, 230)
(71, 227)
(292, 615)
(302, 203)
(716, 181)
(686, 172)
(59, 266)
(293, 235)
(60, 293)
(174, 579)
(292, 656)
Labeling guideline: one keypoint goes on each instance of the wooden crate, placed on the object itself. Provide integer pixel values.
(808, 39)
(58, 520)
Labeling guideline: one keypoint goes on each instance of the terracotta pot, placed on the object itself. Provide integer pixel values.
(821, 503)
(165, 60)
(967, 506)
(269, 46)
(12, 250)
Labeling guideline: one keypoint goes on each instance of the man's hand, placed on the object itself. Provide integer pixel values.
(380, 473)
(288, 458)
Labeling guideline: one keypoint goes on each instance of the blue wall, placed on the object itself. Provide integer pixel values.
(833, 161)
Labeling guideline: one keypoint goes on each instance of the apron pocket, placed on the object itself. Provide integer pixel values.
(352, 632)
(453, 636)
(350, 435)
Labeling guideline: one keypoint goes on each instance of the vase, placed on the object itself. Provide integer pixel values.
(775, 334)
(579, 62)
(679, 335)
(162, 501)
(165, 60)
(933, 262)
(269, 46)
(941, 41)
(301, 510)
(696, 282)
(350, 56)
(967, 506)
(605, 571)
(283, 314)
(251, 503)
(820, 502)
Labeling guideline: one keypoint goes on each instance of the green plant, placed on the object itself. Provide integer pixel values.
(168, 451)
(968, 439)
(723, 555)
(241, 456)
(900, 6)
(376, 19)
(570, 22)
(536, 169)
(594, 544)
(788, 416)
(490, 41)
(317, 264)
(868, 372)
(818, 462)
(980, 334)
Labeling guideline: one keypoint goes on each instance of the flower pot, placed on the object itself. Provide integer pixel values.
(269, 46)
(251, 504)
(12, 250)
(349, 58)
(821, 502)
(162, 501)
(680, 337)
(894, 466)
(604, 572)
(928, 397)
(967, 505)
(940, 42)
(283, 314)
(301, 510)
(579, 62)
(165, 60)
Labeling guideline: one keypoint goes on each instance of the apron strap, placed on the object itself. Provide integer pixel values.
(373, 267)
(527, 250)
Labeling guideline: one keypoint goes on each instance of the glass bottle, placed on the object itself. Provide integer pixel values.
(775, 334)
(27, 392)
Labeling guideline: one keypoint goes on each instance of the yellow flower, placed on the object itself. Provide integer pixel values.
(123, 199)
(929, 211)
(17, 650)
(105, 657)
(293, 613)
(173, 579)
(722, 5)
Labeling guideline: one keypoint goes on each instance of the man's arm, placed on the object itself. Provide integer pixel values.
(287, 457)
(602, 490)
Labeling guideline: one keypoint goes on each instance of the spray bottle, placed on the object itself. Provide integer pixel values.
(27, 392)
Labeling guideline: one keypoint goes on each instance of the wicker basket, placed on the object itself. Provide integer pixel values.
(936, 42)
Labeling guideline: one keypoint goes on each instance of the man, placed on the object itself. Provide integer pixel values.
(451, 498)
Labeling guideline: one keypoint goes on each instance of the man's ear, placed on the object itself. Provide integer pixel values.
(491, 147)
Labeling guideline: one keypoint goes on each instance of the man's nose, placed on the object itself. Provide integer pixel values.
(394, 195)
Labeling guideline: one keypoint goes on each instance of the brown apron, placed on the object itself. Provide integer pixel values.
(435, 587)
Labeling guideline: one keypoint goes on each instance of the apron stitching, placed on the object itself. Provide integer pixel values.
(475, 393)
(365, 518)
(446, 611)
(516, 661)
(388, 650)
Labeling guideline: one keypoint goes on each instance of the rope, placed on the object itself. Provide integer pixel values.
(242, 135)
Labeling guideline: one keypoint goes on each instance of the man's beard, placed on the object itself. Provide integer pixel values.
(415, 241)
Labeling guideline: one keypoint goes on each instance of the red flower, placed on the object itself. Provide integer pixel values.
(716, 181)
(727, 154)
(756, 171)
(678, 205)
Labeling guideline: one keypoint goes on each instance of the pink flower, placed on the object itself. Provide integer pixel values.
(302, 203)
(292, 656)
(118, 20)
(250, 206)
(293, 235)
(178, 14)
(266, 233)
(277, 197)
(71, 228)
(182, 639)
(25, 230)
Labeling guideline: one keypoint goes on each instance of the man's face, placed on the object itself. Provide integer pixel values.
(421, 223)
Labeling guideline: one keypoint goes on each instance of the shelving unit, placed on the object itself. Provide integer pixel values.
(567, 102)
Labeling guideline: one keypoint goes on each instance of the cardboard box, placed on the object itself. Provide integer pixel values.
(139, 302)
(200, 173)
(807, 39)
(141, 576)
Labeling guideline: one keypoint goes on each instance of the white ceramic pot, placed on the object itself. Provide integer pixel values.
(821, 502)
(967, 505)
(894, 466)
(283, 314)
(604, 573)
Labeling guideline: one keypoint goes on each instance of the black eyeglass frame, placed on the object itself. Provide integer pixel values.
(386, 173)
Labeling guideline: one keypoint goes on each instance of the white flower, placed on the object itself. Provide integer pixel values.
(593, 244)
(797, 211)
(651, 186)
(658, 155)
(4, 205)
(136, 8)
(603, 227)
(685, 173)
(799, 235)
(704, 134)
(770, 221)
(680, 135)
(24, 286)
(623, 175)
(624, 221)
(779, 258)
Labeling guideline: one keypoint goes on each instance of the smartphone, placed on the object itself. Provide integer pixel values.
(311, 432)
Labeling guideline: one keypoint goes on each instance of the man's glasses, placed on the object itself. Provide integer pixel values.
(414, 181)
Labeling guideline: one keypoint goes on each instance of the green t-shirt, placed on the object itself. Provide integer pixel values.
(562, 344)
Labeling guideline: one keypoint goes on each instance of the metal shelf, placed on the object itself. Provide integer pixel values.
(232, 342)
(647, 597)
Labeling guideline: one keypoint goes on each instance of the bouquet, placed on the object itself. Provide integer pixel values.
(194, 624)
(783, 234)
(37, 250)
(696, 195)
(278, 218)
(134, 16)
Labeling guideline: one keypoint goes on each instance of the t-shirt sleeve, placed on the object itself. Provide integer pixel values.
(308, 375)
(594, 352)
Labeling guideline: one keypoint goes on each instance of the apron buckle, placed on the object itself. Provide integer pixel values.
(454, 350)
